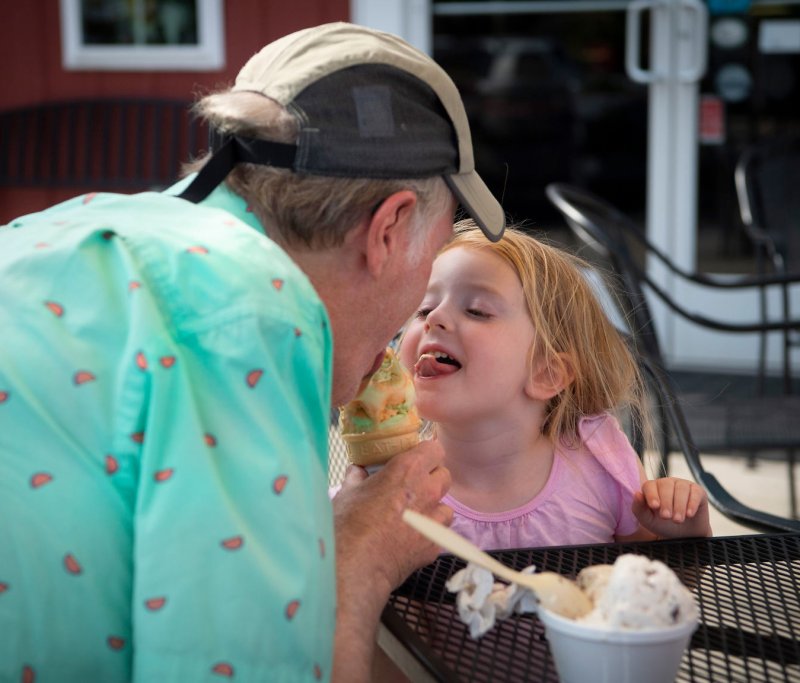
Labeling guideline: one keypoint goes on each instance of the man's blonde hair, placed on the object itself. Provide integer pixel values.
(572, 332)
(306, 211)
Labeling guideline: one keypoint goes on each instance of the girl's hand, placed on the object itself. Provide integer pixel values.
(672, 508)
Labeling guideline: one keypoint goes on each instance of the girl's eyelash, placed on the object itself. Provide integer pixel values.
(422, 313)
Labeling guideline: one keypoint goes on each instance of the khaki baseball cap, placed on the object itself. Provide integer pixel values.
(369, 105)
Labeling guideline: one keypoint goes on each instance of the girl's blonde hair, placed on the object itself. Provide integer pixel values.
(572, 333)
(308, 211)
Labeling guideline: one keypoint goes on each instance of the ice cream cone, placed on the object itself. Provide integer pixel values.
(375, 449)
(382, 420)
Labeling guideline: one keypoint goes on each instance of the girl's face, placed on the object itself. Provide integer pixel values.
(468, 345)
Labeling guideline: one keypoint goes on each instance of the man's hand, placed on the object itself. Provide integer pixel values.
(376, 550)
(370, 532)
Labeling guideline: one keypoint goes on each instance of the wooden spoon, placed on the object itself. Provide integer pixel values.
(555, 592)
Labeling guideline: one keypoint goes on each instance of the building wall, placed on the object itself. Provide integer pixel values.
(30, 52)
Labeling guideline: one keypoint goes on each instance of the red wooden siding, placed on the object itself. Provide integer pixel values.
(30, 51)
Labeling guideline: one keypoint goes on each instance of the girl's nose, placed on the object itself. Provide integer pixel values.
(436, 318)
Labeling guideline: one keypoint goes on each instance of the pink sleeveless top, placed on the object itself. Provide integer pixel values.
(587, 497)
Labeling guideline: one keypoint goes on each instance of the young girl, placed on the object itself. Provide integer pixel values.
(518, 366)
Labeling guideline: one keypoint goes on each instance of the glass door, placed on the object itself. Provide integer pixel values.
(645, 102)
(594, 93)
(750, 93)
(548, 98)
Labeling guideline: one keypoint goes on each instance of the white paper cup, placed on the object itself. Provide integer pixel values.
(585, 653)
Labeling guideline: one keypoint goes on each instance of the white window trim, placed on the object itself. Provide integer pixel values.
(409, 19)
(207, 55)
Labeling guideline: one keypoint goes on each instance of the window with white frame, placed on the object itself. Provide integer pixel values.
(142, 35)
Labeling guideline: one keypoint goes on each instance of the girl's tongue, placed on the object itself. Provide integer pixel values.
(430, 366)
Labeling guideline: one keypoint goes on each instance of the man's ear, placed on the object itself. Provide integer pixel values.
(548, 379)
(387, 228)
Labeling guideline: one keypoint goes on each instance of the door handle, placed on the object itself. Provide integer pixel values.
(694, 19)
(686, 29)
(633, 41)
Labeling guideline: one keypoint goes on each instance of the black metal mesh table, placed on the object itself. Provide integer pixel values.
(747, 587)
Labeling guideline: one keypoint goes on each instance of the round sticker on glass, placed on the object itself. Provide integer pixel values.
(729, 33)
(733, 83)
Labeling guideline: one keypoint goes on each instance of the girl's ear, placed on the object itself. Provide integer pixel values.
(548, 379)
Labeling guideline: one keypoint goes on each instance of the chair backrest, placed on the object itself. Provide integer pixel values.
(666, 401)
(769, 204)
(615, 237)
(124, 144)
(605, 230)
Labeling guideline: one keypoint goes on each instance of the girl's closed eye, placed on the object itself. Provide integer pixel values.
(478, 313)
(422, 313)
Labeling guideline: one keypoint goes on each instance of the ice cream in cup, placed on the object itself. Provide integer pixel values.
(638, 630)
(382, 420)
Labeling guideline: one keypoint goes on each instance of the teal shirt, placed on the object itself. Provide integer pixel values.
(165, 374)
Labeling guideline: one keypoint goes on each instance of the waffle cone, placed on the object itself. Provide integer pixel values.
(371, 449)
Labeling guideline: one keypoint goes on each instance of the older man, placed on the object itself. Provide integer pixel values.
(168, 365)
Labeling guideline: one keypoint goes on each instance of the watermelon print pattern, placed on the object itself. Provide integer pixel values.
(190, 459)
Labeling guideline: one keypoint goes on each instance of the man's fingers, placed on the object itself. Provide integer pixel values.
(441, 479)
(443, 514)
(353, 475)
(429, 455)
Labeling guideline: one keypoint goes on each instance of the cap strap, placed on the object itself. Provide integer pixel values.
(237, 150)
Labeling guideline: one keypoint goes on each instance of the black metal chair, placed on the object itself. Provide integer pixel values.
(718, 421)
(667, 401)
(766, 187)
(766, 178)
